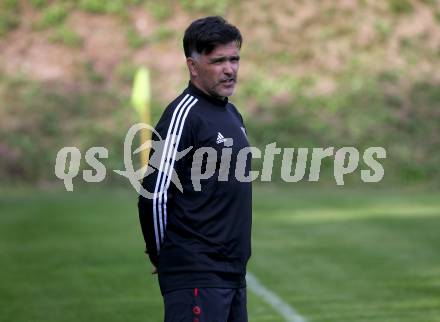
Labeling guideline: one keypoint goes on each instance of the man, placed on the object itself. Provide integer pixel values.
(198, 237)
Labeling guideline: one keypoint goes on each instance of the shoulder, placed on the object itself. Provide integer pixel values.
(235, 111)
(177, 106)
(182, 111)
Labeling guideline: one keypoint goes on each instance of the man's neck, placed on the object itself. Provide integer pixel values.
(204, 91)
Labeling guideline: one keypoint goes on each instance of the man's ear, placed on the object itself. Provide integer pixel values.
(192, 66)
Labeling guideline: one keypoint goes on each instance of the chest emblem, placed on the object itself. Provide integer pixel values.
(220, 138)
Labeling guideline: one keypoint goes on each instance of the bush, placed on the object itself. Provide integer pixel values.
(10, 5)
(211, 7)
(53, 16)
(162, 33)
(7, 23)
(9, 16)
(126, 71)
(161, 11)
(134, 39)
(400, 6)
(107, 6)
(93, 6)
(39, 120)
(38, 4)
(66, 36)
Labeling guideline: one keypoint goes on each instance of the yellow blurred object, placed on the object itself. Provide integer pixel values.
(140, 99)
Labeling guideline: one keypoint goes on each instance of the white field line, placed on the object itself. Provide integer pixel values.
(285, 310)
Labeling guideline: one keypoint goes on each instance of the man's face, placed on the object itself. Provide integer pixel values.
(216, 73)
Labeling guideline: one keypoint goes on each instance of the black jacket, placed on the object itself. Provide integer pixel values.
(198, 238)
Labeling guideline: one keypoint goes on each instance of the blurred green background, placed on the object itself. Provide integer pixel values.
(313, 73)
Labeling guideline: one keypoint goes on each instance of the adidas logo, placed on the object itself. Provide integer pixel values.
(220, 138)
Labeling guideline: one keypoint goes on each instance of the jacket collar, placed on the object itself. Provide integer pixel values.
(198, 92)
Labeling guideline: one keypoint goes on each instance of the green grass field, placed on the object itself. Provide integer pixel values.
(333, 254)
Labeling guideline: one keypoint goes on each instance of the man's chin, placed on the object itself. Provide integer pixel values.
(223, 91)
(227, 92)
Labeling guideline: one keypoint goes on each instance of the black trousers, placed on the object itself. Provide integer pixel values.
(206, 305)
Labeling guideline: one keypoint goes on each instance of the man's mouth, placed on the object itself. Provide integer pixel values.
(228, 81)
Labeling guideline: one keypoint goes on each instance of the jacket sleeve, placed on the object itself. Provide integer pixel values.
(171, 135)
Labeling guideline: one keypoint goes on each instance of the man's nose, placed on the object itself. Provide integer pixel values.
(228, 68)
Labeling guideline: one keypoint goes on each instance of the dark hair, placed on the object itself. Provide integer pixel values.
(204, 34)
